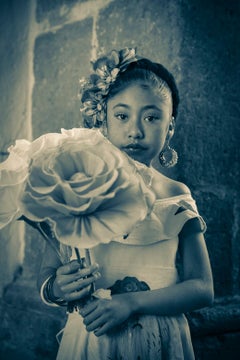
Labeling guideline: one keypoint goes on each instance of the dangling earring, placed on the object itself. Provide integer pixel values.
(168, 157)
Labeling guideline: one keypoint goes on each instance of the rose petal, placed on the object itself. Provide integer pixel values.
(115, 218)
(13, 174)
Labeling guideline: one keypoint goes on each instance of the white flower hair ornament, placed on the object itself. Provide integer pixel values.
(95, 89)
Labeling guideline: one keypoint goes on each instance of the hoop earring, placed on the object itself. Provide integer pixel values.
(168, 157)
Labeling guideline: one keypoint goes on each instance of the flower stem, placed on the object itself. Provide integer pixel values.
(79, 259)
(87, 262)
(45, 231)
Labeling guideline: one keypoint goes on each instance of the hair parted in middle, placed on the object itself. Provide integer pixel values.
(112, 73)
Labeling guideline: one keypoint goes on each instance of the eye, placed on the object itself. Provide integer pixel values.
(151, 118)
(121, 116)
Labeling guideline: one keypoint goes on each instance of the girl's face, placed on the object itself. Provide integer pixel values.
(139, 121)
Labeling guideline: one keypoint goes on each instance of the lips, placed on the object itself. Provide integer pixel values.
(134, 147)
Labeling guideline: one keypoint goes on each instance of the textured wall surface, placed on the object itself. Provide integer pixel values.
(44, 53)
(14, 119)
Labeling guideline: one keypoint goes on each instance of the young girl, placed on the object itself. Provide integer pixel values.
(135, 101)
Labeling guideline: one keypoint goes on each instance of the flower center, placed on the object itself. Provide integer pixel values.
(78, 176)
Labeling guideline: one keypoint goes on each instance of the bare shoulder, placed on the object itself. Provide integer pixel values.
(177, 188)
(165, 187)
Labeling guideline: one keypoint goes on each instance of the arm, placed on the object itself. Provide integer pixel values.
(49, 265)
(195, 290)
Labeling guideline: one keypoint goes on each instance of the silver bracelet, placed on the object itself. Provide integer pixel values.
(48, 295)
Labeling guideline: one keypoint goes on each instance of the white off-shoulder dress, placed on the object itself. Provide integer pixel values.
(148, 253)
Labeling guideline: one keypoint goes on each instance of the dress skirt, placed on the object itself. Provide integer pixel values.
(142, 338)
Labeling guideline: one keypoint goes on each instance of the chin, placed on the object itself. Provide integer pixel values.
(141, 160)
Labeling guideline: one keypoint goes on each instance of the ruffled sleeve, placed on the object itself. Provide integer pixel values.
(165, 221)
(186, 209)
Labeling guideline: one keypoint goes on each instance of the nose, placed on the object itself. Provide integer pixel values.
(135, 130)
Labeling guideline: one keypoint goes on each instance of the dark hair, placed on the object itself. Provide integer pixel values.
(142, 70)
(112, 73)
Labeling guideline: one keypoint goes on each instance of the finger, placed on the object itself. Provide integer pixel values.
(79, 284)
(88, 270)
(64, 280)
(74, 266)
(89, 308)
(96, 324)
(68, 268)
(103, 329)
(71, 272)
(77, 295)
(91, 317)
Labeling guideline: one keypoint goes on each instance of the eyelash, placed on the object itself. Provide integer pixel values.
(153, 117)
(121, 116)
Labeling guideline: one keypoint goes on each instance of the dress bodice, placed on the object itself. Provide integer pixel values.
(149, 251)
(165, 221)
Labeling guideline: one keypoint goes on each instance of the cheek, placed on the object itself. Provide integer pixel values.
(114, 129)
(110, 122)
(160, 131)
(164, 130)
(113, 133)
(158, 139)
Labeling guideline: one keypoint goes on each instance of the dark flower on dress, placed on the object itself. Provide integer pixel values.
(128, 284)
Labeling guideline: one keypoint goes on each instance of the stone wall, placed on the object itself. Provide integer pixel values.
(45, 49)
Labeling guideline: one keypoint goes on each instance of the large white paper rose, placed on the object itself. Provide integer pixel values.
(13, 174)
(86, 188)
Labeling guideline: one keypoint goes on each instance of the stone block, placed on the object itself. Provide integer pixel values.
(151, 26)
(61, 60)
(217, 211)
(11, 253)
(28, 327)
(220, 347)
(55, 12)
(208, 123)
(215, 330)
(14, 71)
(220, 318)
(34, 249)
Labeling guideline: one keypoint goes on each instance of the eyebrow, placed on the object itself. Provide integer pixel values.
(147, 107)
(121, 105)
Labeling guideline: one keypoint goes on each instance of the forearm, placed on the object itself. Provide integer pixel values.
(45, 273)
(49, 265)
(176, 299)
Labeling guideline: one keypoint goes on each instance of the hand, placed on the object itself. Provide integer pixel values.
(102, 315)
(71, 282)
